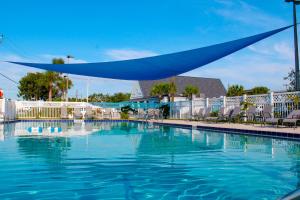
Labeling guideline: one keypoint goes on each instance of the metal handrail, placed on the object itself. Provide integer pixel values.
(294, 195)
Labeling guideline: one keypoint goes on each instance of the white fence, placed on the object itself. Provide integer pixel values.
(282, 103)
(7, 110)
(45, 109)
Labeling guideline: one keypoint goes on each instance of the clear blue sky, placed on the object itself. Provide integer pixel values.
(94, 30)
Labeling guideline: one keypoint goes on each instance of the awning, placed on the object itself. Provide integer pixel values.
(156, 67)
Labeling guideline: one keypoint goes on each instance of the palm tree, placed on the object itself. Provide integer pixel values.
(53, 79)
(190, 90)
(160, 90)
(172, 89)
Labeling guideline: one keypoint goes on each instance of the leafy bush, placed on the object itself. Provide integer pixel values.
(214, 114)
(124, 115)
(258, 90)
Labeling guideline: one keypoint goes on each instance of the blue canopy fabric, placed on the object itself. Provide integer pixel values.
(156, 67)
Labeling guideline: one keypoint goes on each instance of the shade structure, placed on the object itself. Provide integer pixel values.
(156, 67)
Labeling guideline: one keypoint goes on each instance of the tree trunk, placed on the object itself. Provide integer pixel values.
(50, 92)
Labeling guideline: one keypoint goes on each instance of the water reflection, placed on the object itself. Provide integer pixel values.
(153, 162)
(50, 149)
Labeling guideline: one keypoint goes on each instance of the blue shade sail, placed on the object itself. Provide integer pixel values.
(156, 67)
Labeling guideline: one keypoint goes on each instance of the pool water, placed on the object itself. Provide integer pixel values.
(120, 160)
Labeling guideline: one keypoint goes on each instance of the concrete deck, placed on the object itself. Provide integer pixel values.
(232, 126)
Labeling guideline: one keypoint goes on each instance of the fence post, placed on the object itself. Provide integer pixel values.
(271, 102)
(206, 103)
(224, 102)
(244, 97)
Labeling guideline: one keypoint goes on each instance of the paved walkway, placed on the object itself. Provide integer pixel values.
(250, 127)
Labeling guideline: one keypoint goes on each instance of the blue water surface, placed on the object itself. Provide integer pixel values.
(120, 160)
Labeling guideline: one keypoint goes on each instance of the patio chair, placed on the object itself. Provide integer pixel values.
(89, 114)
(64, 113)
(292, 118)
(77, 113)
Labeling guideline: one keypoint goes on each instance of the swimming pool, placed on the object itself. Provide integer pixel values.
(120, 160)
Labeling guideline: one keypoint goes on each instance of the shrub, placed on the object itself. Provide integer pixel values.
(124, 115)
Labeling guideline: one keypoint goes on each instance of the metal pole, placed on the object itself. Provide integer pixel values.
(297, 75)
(87, 90)
(66, 89)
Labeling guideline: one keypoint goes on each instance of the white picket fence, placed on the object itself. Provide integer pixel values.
(283, 104)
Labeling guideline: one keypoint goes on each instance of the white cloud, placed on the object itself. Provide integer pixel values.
(284, 49)
(251, 69)
(126, 54)
(279, 50)
(248, 14)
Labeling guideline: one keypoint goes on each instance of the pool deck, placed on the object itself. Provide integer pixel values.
(231, 126)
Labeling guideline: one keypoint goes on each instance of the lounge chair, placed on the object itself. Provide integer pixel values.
(77, 113)
(141, 114)
(292, 118)
(198, 115)
(64, 113)
(220, 115)
(99, 114)
(206, 114)
(107, 113)
(251, 114)
(152, 114)
(89, 114)
(235, 114)
(116, 115)
(268, 118)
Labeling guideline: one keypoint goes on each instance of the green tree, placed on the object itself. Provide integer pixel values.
(54, 81)
(117, 97)
(258, 90)
(235, 90)
(291, 80)
(43, 86)
(32, 86)
(58, 61)
(62, 85)
(190, 90)
(99, 97)
(160, 90)
(172, 89)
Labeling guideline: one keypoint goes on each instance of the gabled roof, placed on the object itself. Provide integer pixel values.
(210, 87)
